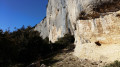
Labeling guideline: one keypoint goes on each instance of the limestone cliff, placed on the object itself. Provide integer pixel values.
(95, 25)
(42, 28)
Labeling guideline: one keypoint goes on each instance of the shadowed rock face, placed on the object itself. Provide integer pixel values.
(90, 21)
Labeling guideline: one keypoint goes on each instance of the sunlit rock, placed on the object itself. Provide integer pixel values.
(95, 25)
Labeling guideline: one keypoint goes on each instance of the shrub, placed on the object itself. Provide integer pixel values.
(64, 42)
(67, 39)
(115, 64)
(25, 46)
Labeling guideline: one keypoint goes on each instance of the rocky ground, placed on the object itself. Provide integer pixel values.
(66, 59)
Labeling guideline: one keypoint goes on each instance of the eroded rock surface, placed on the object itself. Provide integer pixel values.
(95, 25)
(42, 28)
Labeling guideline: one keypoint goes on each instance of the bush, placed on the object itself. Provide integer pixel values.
(67, 39)
(64, 42)
(25, 46)
(115, 64)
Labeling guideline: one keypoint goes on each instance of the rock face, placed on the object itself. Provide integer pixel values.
(42, 28)
(99, 39)
(95, 25)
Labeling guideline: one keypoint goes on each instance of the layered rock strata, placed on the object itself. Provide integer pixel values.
(95, 25)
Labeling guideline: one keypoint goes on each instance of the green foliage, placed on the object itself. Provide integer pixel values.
(21, 46)
(115, 64)
(67, 39)
(64, 42)
(25, 46)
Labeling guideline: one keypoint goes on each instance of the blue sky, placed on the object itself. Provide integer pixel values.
(16, 13)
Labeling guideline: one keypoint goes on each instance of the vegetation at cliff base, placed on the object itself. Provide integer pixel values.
(24, 46)
(114, 64)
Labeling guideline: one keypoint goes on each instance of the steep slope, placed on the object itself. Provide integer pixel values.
(95, 25)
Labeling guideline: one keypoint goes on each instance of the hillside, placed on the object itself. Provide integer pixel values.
(95, 25)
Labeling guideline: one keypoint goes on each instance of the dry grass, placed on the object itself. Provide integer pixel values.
(100, 10)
